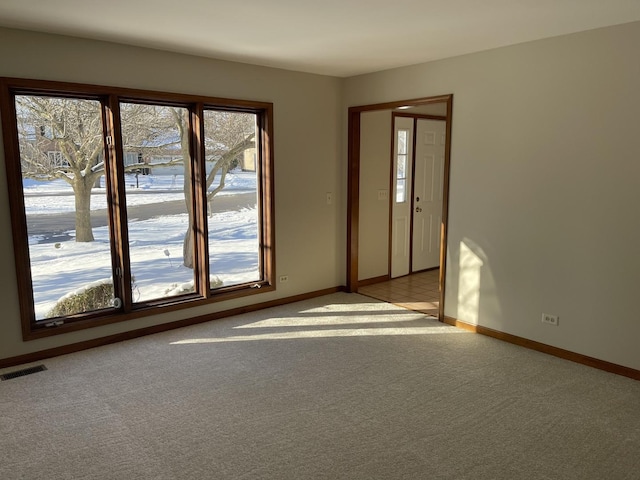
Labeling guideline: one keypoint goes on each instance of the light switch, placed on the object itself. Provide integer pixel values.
(329, 198)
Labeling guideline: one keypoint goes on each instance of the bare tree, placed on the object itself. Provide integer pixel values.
(227, 136)
(62, 138)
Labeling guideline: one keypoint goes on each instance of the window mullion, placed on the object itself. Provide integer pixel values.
(199, 187)
(114, 176)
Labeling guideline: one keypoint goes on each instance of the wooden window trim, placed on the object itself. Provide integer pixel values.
(110, 98)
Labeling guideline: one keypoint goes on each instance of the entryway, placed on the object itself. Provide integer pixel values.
(421, 235)
(418, 291)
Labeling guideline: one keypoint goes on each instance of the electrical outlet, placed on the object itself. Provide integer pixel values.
(550, 319)
(284, 278)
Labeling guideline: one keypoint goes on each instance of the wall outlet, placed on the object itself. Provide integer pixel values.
(284, 278)
(550, 319)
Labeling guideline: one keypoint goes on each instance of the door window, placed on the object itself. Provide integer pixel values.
(402, 158)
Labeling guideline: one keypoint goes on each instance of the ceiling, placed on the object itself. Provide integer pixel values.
(332, 37)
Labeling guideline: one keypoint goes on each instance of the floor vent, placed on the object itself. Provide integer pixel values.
(23, 372)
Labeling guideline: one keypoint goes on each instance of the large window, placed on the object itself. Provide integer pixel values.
(126, 203)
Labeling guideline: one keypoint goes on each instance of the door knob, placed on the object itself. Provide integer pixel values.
(418, 209)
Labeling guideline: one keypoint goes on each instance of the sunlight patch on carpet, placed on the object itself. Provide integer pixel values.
(350, 332)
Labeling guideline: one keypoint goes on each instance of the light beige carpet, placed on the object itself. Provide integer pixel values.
(339, 387)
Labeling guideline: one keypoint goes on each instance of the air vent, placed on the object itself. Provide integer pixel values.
(23, 372)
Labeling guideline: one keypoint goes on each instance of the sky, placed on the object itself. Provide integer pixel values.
(60, 266)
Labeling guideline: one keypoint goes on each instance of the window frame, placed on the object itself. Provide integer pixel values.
(110, 99)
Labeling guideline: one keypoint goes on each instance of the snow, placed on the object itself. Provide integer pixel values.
(61, 266)
(149, 189)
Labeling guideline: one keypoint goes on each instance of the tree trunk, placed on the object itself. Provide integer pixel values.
(187, 248)
(187, 245)
(82, 189)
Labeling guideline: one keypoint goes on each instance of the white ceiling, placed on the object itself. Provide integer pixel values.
(332, 37)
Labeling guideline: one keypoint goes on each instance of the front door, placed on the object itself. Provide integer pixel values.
(418, 168)
(427, 193)
(401, 196)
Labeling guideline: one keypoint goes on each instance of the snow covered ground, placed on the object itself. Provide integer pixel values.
(150, 189)
(155, 244)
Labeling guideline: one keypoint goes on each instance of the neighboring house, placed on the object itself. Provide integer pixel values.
(56, 159)
(39, 143)
(167, 161)
(132, 158)
(248, 161)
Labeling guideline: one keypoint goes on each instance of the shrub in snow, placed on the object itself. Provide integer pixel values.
(183, 288)
(93, 296)
(99, 294)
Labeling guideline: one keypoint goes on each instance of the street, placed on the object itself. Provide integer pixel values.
(58, 223)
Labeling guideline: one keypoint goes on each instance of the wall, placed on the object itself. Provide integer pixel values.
(310, 235)
(373, 235)
(544, 186)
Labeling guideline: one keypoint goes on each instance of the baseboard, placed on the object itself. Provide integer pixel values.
(544, 348)
(119, 337)
(141, 332)
(373, 280)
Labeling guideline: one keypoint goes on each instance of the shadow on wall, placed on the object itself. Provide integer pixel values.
(477, 301)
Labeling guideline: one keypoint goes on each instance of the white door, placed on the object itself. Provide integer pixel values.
(427, 193)
(401, 196)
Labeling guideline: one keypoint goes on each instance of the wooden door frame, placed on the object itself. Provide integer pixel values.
(353, 187)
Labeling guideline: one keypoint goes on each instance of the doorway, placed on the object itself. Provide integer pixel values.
(401, 108)
(418, 292)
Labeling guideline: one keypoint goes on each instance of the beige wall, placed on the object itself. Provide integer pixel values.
(544, 176)
(310, 235)
(545, 186)
(373, 234)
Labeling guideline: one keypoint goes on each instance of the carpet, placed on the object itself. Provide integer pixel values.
(337, 387)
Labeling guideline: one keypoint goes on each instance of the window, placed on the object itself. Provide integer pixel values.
(402, 156)
(56, 160)
(228, 136)
(134, 202)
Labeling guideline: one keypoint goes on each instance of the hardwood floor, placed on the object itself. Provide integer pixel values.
(418, 291)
